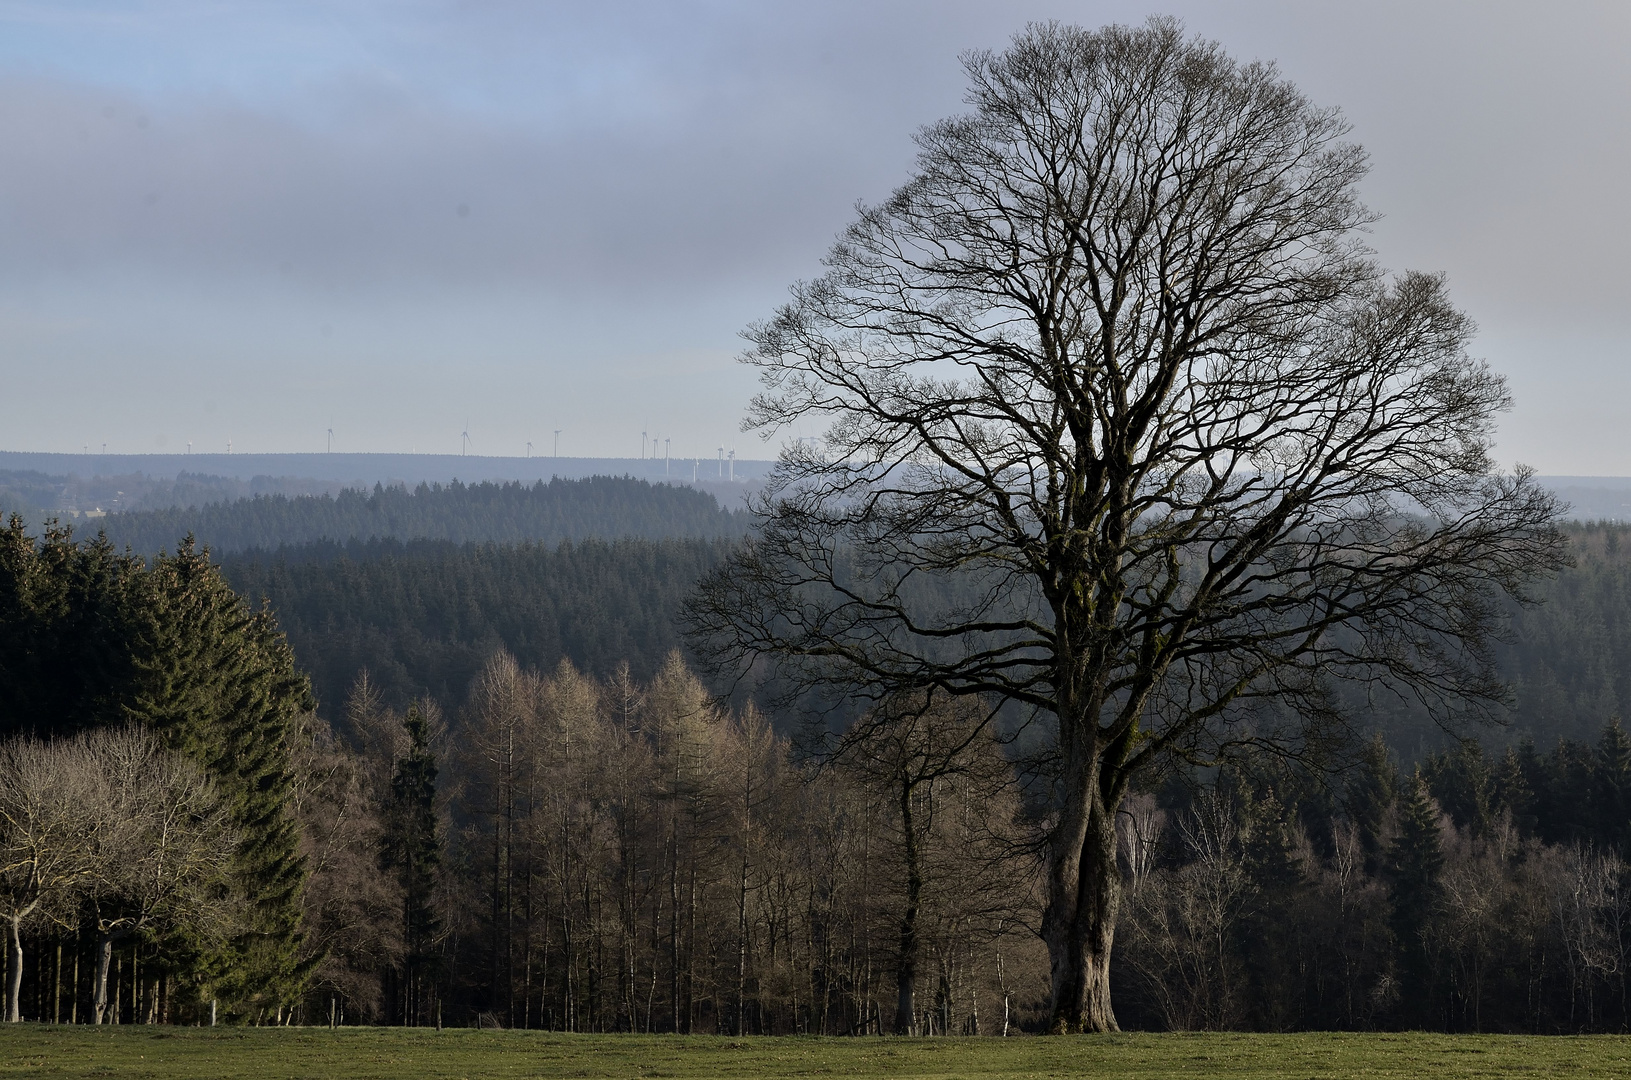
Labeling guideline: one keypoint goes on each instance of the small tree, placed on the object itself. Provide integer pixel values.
(1126, 429)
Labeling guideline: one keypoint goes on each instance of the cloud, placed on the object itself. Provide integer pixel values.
(633, 181)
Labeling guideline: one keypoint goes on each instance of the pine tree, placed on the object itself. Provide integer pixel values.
(217, 681)
(1417, 860)
(1369, 799)
(1611, 789)
(414, 851)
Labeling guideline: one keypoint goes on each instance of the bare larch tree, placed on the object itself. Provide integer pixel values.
(1126, 428)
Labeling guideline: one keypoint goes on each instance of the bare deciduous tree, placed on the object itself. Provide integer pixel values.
(1125, 427)
(913, 752)
(165, 847)
(48, 838)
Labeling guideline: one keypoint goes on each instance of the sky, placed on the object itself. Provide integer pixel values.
(410, 221)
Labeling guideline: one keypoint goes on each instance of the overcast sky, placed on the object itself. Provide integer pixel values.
(253, 221)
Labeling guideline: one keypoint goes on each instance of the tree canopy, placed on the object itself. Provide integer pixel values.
(1117, 358)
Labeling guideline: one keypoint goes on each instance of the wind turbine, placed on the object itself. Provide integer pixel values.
(464, 440)
(529, 448)
(642, 446)
(666, 441)
(331, 440)
(557, 442)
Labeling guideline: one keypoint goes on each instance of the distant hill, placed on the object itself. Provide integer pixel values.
(546, 513)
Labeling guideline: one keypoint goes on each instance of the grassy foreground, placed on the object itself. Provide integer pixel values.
(42, 1051)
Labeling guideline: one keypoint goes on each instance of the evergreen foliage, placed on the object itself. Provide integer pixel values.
(423, 617)
(413, 850)
(486, 513)
(1417, 858)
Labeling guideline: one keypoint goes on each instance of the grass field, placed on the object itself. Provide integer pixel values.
(35, 1050)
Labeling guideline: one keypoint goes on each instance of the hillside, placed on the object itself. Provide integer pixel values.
(423, 617)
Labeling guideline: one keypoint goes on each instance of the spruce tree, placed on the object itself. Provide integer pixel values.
(1417, 860)
(1512, 794)
(217, 681)
(1611, 789)
(414, 851)
(1369, 798)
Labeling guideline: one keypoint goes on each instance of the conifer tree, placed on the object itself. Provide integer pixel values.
(415, 853)
(1417, 858)
(1370, 795)
(1511, 792)
(216, 681)
(1611, 792)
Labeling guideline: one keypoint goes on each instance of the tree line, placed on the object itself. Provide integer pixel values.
(545, 512)
(1475, 891)
(37, 497)
(422, 618)
(617, 850)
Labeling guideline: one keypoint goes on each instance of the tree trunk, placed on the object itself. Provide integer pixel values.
(1079, 923)
(14, 971)
(906, 968)
(104, 958)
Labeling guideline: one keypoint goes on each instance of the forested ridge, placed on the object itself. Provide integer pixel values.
(422, 617)
(494, 513)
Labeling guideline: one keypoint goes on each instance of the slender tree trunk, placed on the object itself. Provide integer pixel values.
(742, 904)
(1079, 922)
(104, 960)
(742, 948)
(906, 968)
(14, 970)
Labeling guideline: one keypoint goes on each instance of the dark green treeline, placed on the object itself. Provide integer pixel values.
(423, 617)
(484, 513)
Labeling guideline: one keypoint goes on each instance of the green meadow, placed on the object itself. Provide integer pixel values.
(410, 1054)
